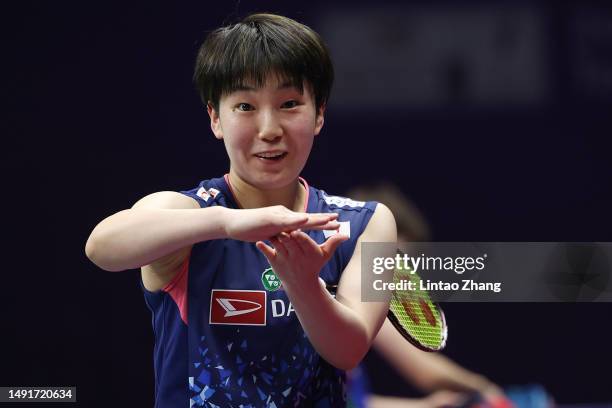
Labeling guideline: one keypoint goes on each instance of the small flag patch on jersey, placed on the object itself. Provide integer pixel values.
(238, 307)
(345, 228)
(203, 194)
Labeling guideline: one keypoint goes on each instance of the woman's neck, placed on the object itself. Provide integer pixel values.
(293, 196)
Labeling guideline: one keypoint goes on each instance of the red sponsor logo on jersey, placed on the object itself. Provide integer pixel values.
(246, 307)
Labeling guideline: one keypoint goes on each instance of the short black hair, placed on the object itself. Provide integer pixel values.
(248, 52)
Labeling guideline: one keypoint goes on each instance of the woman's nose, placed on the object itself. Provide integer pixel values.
(270, 128)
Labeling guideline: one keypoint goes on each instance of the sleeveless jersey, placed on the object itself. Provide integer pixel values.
(225, 331)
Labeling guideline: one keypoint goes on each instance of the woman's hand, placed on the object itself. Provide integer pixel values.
(264, 223)
(297, 259)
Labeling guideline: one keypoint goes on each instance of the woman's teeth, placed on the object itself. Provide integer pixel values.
(271, 156)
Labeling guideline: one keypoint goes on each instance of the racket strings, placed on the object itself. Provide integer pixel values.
(416, 313)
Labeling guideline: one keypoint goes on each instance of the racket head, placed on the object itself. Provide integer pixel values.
(417, 318)
(417, 326)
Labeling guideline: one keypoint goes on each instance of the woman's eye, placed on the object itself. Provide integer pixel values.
(244, 107)
(290, 104)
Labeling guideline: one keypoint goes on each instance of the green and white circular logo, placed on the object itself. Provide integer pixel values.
(270, 280)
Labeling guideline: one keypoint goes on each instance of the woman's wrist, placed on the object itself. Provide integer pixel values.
(223, 216)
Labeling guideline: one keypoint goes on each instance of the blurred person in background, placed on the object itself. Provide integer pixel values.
(445, 382)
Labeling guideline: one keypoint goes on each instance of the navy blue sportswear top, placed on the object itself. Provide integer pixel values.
(225, 331)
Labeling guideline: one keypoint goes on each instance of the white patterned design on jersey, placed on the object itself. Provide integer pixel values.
(342, 201)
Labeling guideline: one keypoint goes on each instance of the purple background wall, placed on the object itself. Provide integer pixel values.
(100, 111)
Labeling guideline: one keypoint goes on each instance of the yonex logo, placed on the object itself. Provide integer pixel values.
(240, 307)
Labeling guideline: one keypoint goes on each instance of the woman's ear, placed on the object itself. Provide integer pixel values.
(320, 119)
(215, 124)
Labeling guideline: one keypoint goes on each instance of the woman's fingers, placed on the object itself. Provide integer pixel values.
(269, 252)
(294, 221)
(293, 241)
(321, 221)
(299, 243)
(279, 246)
(305, 243)
(290, 243)
(333, 242)
(330, 225)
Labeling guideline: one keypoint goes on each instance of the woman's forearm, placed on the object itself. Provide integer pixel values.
(138, 236)
(335, 330)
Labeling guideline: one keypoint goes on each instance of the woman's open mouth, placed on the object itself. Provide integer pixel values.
(271, 156)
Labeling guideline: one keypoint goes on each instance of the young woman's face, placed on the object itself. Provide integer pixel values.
(268, 132)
